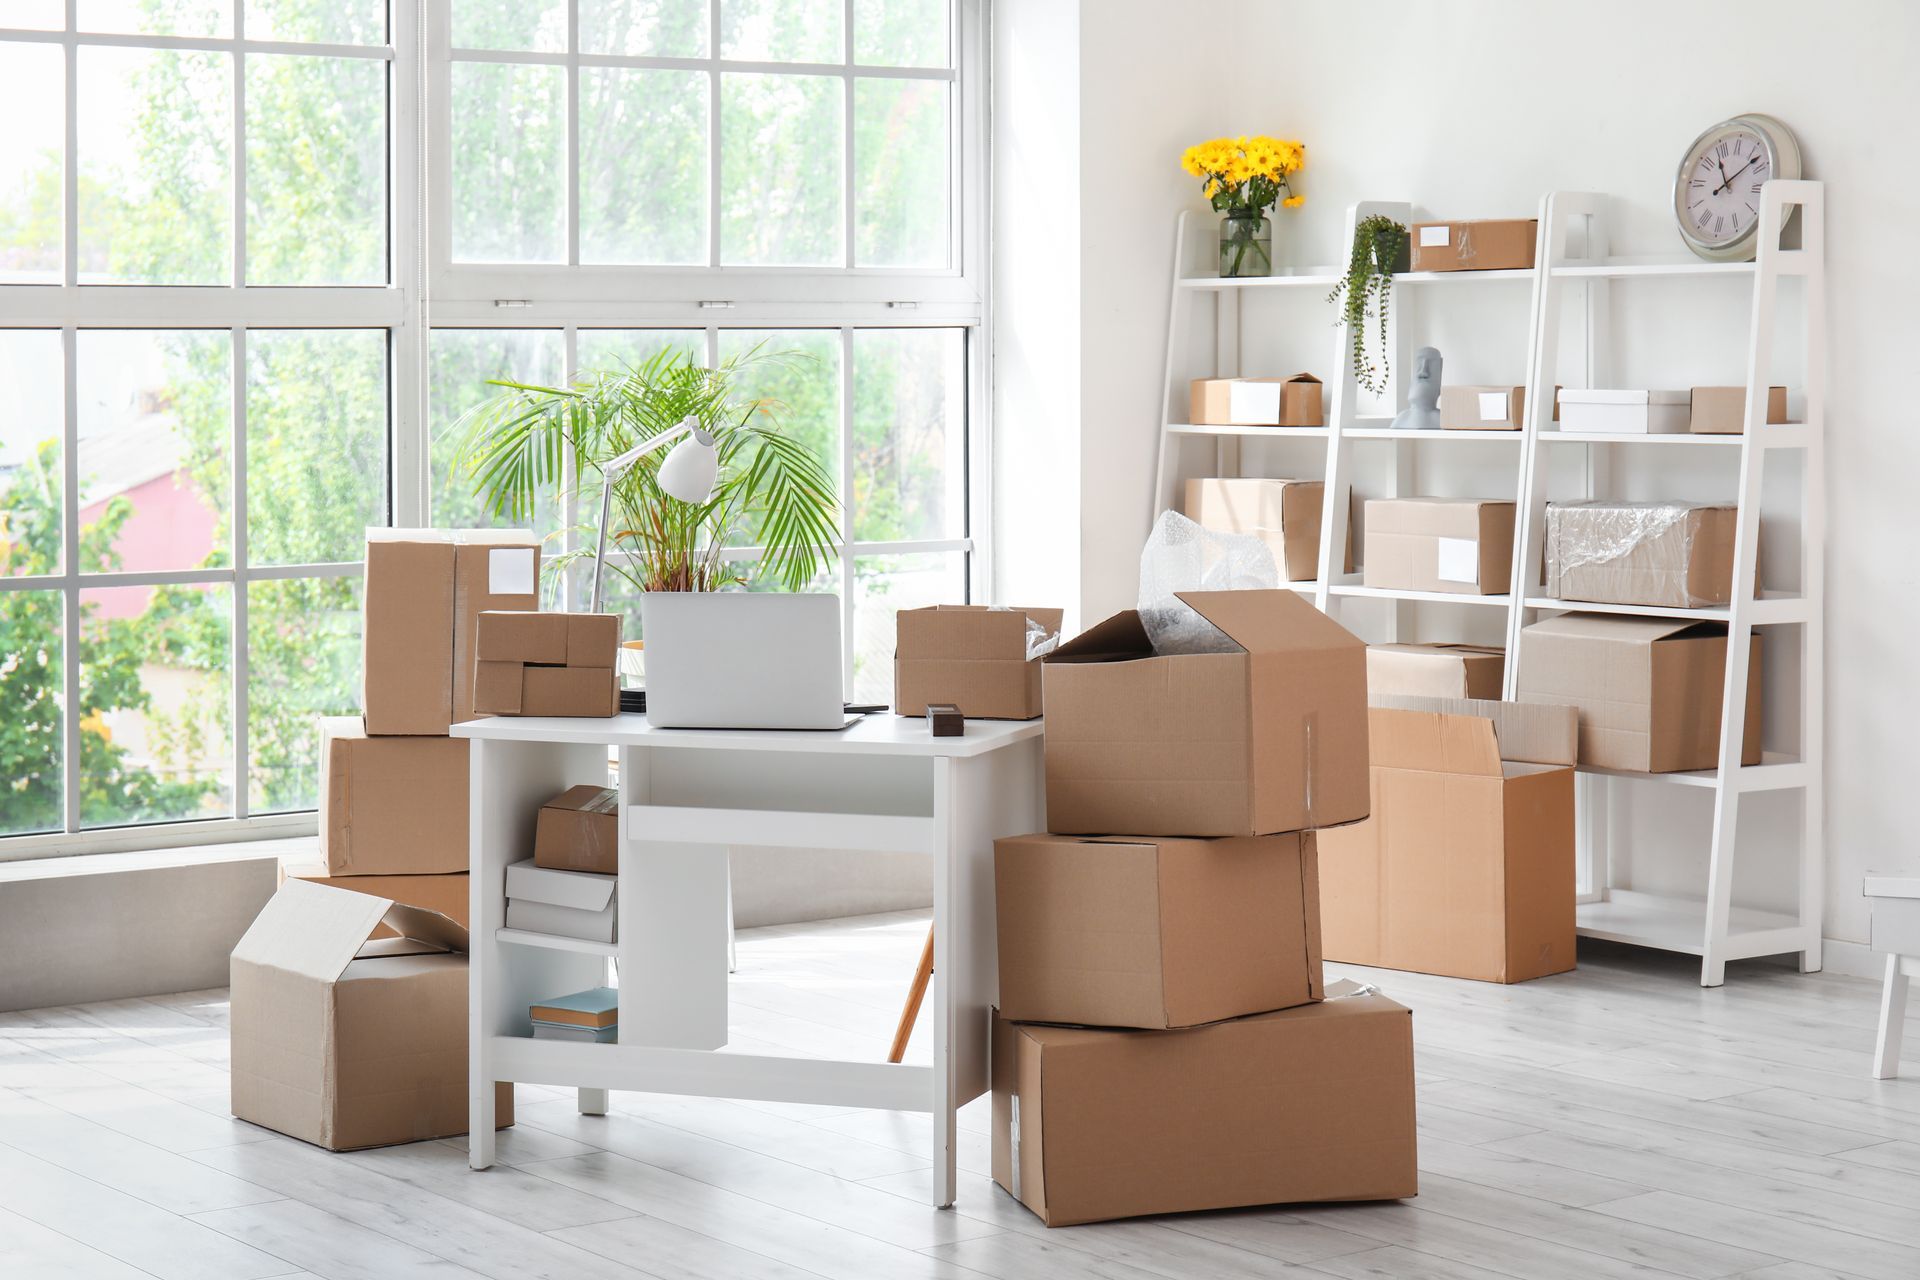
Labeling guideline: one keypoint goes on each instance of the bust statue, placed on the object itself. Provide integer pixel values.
(1423, 397)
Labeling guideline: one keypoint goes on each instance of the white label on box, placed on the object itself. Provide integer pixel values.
(1440, 236)
(1493, 406)
(1459, 560)
(510, 571)
(1257, 403)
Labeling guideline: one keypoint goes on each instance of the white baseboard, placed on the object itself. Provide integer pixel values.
(1858, 960)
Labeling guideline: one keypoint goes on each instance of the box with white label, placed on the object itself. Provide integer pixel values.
(1486, 244)
(1483, 408)
(1257, 402)
(1458, 546)
(1635, 413)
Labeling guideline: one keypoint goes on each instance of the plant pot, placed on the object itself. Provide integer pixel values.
(1392, 251)
(1246, 246)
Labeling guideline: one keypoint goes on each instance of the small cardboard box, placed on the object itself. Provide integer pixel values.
(1313, 1103)
(345, 1039)
(1257, 402)
(445, 894)
(1436, 670)
(1466, 868)
(579, 830)
(547, 664)
(1647, 689)
(971, 657)
(1150, 932)
(1722, 411)
(424, 588)
(1665, 554)
(1284, 514)
(1459, 545)
(1484, 244)
(1269, 737)
(391, 806)
(570, 904)
(1483, 408)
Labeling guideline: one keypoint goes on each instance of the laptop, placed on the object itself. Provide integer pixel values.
(743, 660)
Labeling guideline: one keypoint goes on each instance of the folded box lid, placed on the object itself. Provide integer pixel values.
(1270, 621)
(315, 931)
(1459, 516)
(1470, 735)
(580, 890)
(586, 798)
(1621, 628)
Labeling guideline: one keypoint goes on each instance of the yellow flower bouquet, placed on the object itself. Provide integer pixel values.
(1243, 178)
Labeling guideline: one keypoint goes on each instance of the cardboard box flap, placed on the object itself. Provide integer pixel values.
(1270, 621)
(581, 890)
(586, 797)
(1526, 732)
(469, 537)
(1303, 377)
(422, 925)
(1432, 742)
(1120, 638)
(1624, 628)
(311, 930)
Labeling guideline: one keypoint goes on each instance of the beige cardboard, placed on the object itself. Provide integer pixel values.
(391, 806)
(1258, 402)
(1485, 244)
(1270, 738)
(446, 895)
(1435, 670)
(969, 656)
(1313, 1103)
(346, 1040)
(1466, 868)
(1155, 932)
(1686, 563)
(1647, 689)
(1483, 408)
(1284, 514)
(1723, 410)
(579, 830)
(546, 664)
(1459, 545)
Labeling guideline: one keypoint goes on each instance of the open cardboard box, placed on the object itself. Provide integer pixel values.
(969, 656)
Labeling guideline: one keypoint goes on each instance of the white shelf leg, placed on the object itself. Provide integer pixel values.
(1893, 1015)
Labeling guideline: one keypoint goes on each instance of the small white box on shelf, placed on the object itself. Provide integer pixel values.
(567, 904)
(1639, 413)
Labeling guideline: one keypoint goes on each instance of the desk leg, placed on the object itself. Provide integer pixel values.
(948, 856)
(1893, 1015)
(593, 1102)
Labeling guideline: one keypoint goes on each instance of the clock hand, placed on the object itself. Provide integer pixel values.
(1736, 173)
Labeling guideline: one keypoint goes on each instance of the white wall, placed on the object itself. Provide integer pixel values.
(1477, 109)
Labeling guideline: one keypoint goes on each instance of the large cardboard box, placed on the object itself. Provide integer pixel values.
(1313, 1103)
(391, 806)
(1647, 689)
(546, 664)
(344, 1039)
(424, 588)
(1484, 244)
(1675, 555)
(579, 830)
(970, 656)
(1269, 737)
(1723, 410)
(1466, 868)
(1257, 402)
(444, 894)
(1436, 670)
(1120, 931)
(1284, 514)
(1463, 546)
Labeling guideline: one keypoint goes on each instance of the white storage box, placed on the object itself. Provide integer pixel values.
(1639, 413)
(570, 904)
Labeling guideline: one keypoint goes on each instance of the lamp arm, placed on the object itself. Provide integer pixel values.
(612, 470)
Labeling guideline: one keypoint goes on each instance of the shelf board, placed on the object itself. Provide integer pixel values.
(1327, 277)
(1273, 433)
(1628, 268)
(1388, 433)
(1672, 923)
(552, 942)
(1784, 435)
(1771, 608)
(1354, 587)
(1775, 772)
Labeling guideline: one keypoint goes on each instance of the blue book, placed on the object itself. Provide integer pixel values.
(597, 1009)
(582, 1035)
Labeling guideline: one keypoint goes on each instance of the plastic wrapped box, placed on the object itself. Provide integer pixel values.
(1675, 555)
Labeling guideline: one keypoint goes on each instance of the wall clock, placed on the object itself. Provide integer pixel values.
(1716, 193)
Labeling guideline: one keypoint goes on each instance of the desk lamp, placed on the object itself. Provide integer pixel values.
(688, 473)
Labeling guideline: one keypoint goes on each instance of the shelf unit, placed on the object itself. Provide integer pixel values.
(1710, 925)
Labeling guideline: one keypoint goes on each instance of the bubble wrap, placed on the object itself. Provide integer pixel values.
(1039, 639)
(1632, 553)
(1181, 555)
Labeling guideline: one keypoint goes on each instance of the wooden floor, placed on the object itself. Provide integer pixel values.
(1617, 1121)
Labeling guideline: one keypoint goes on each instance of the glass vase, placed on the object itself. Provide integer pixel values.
(1246, 246)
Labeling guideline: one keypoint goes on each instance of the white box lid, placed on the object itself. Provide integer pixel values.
(1590, 395)
(581, 890)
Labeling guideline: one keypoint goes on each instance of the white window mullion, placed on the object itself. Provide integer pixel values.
(573, 135)
(846, 150)
(713, 136)
(70, 697)
(238, 645)
(846, 509)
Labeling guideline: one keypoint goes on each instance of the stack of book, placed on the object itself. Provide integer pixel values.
(590, 1017)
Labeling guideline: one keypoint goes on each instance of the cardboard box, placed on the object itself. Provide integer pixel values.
(970, 656)
(391, 806)
(1638, 413)
(1483, 408)
(1308, 1104)
(1150, 932)
(1466, 868)
(1666, 554)
(1722, 411)
(570, 904)
(1284, 514)
(1484, 244)
(1462, 546)
(1647, 689)
(424, 587)
(579, 830)
(1436, 670)
(1257, 402)
(1270, 737)
(445, 894)
(547, 664)
(345, 1039)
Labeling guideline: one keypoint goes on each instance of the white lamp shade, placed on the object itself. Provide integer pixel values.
(690, 468)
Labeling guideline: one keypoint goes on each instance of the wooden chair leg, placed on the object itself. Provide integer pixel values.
(922, 972)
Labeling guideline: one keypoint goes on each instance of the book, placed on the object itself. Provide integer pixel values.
(582, 1035)
(596, 1008)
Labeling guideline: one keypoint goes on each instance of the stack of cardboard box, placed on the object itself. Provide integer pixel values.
(1163, 1042)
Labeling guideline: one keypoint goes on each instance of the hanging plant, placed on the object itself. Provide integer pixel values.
(1366, 290)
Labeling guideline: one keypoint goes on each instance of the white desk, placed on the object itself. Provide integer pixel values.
(685, 795)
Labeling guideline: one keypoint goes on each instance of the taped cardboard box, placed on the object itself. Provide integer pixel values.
(391, 806)
(1675, 555)
(1155, 932)
(972, 657)
(1463, 546)
(445, 894)
(1269, 737)
(424, 588)
(1466, 868)
(1647, 690)
(579, 830)
(1257, 402)
(568, 904)
(1313, 1103)
(1482, 244)
(1718, 411)
(547, 664)
(345, 1039)
(1436, 670)
(1284, 514)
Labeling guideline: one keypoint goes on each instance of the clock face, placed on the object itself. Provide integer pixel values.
(1720, 185)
